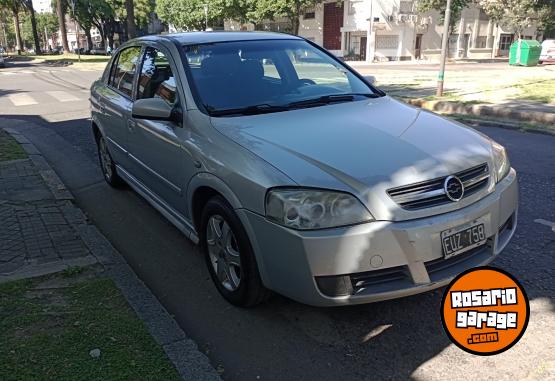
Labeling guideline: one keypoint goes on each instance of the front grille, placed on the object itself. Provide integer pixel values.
(430, 193)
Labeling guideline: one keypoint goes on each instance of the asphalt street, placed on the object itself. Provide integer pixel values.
(282, 339)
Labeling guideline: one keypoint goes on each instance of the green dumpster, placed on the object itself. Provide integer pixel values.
(527, 55)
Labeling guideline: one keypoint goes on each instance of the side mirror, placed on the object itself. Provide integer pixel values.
(370, 78)
(153, 109)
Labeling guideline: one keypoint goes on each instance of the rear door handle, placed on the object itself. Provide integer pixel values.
(131, 125)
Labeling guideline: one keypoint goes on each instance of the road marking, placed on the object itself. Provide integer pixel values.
(546, 223)
(7, 73)
(62, 96)
(21, 99)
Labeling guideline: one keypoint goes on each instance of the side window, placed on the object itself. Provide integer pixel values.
(124, 70)
(156, 79)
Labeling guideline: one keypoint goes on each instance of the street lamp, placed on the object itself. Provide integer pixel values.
(73, 3)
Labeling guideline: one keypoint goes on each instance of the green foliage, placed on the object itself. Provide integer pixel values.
(7, 22)
(440, 5)
(189, 14)
(44, 20)
(516, 15)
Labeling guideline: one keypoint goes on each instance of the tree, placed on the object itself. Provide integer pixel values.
(143, 10)
(47, 25)
(291, 9)
(514, 15)
(29, 5)
(130, 19)
(6, 27)
(14, 6)
(61, 10)
(547, 22)
(439, 5)
(190, 14)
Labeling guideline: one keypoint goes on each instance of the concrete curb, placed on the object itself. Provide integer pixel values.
(498, 111)
(181, 350)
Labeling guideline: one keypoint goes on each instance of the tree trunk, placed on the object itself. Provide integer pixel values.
(62, 21)
(18, 45)
(131, 27)
(36, 39)
(295, 22)
(89, 38)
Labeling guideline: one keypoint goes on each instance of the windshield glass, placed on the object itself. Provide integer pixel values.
(269, 75)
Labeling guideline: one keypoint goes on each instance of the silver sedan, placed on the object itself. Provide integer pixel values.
(295, 174)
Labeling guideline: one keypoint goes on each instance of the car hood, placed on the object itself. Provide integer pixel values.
(359, 147)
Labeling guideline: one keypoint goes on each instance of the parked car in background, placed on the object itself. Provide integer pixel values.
(548, 51)
(2, 60)
(294, 173)
(98, 51)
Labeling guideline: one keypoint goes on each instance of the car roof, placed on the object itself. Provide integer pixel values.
(218, 36)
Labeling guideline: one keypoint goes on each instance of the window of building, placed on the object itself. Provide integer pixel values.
(124, 70)
(309, 14)
(156, 79)
(481, 42)
(387, 42)
(505, 41)
(405, 6)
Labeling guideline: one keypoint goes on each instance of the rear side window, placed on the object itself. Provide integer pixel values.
(157, 79)
(124, 70)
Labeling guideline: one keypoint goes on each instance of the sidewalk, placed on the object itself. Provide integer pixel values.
(43, 232)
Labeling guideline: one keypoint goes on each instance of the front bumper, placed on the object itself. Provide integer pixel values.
(378, 260)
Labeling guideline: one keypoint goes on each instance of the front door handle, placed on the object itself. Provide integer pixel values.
(131, 125)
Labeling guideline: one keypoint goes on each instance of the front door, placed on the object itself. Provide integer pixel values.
(418, 47)
(363, 41)
(156, 151)
(333, 21)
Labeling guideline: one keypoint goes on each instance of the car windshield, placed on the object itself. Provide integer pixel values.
(249, 77)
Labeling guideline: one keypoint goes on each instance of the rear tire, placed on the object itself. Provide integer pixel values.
(229, 255)
(107, 164)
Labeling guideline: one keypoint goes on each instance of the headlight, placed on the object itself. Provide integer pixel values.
(314, 209)
(500, 160)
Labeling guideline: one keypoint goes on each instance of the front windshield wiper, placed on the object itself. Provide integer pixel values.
(327, 99)
(248, 110)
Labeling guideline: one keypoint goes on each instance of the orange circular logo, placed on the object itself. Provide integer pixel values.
(485, 311)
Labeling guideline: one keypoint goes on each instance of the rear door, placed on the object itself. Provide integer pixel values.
(115, 102)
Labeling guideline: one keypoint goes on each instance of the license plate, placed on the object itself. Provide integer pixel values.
(456, 241)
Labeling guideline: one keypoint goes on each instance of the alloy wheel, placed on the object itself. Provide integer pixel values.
(105, 159)
(224, 252)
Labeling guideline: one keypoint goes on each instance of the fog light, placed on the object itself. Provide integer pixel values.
(334, 286)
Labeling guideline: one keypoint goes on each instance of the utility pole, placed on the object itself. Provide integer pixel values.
(444, 42)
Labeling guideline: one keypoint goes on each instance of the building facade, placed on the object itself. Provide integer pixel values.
(393, 30)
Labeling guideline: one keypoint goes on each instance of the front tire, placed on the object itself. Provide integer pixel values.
(107, 164)
(229, 255)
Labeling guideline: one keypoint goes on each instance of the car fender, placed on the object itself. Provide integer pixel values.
(205, 179)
